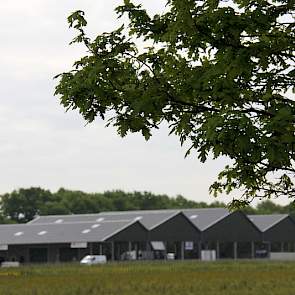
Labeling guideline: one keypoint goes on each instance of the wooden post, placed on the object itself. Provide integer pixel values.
(200, 249)
(235, 250)
(217, 250)
(282, 246)
(136, 249)
(48, 254)
(182, 250)
(252, 249)
(118, 251)
(165, 252)
(112, 251)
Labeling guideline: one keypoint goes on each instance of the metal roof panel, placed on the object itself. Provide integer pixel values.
(202, 218)
(265, 222)
(60, 233)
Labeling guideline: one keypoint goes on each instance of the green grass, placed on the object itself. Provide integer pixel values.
(163, 278)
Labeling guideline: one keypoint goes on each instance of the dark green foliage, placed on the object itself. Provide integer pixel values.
(217, 72)
(24, 204)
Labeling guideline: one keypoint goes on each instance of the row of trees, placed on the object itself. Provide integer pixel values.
(24, 204)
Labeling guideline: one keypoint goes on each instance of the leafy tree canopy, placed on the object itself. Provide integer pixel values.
(221, 74)
(23, 205)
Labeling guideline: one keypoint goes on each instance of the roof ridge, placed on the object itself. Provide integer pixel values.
(216, 221)
(166, 219)
(66, 223)
(268, 215)
(263, 229)
(276, 222)
(123, 212)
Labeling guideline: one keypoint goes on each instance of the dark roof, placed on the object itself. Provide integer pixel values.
(61, 233)
(205, 217)
(102, 226)
(202, 218)
(265, 222)
(149, 218)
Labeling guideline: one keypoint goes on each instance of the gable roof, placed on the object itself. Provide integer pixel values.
(202, 218)
(61, 233)
(149, 218)
(265, 222)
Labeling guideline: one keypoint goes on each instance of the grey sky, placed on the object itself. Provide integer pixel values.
(41, 145)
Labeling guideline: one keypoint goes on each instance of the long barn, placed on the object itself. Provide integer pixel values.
(148, 234)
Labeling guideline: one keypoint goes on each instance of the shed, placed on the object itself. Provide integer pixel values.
(66, 241)
(232, 235)
(277, 229)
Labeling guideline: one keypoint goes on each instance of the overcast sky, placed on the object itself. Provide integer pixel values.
(41, 145)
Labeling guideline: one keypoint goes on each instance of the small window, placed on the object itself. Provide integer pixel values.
(58, 221)
(19, 233)
(86, 231)
(193, 216)
(43, 232)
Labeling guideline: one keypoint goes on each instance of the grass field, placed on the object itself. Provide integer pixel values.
(163, 278)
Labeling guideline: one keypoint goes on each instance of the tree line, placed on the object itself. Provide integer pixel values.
(24, 204)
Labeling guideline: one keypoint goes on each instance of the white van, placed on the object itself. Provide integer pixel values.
(94, 259)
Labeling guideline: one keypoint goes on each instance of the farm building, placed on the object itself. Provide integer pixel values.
(278, 231)
(67, 241)
(232, 235)
(167, 229)
(147, 234)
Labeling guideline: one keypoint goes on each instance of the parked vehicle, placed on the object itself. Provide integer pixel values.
(94, 259)
(10, 264)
